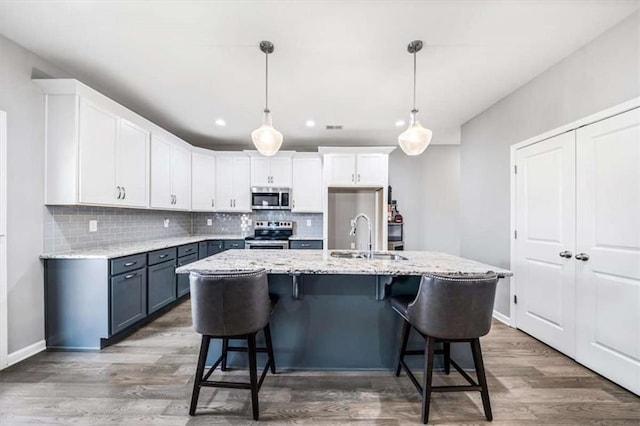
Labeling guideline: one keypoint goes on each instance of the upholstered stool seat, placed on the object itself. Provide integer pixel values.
(231, 306)
(448, 308)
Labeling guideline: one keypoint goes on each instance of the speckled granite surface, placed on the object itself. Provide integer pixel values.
(119, 250)
(321, 262)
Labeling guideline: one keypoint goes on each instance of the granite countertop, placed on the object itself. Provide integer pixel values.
(126, 249)
(321, 262)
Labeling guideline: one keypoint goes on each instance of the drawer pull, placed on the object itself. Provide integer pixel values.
(130, 263)
(305, 245)
(162, 256)
(188, 250)
(129, 276)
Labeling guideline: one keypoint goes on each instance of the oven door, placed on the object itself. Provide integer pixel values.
(266, 245)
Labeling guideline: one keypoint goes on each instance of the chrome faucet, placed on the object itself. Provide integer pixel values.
(354, 225)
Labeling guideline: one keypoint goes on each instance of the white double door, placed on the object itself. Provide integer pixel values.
(578, 245)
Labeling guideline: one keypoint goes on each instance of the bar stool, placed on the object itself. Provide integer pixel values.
(448, 308)
(231, 306)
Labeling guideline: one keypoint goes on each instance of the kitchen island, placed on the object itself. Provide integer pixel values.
(332, 311)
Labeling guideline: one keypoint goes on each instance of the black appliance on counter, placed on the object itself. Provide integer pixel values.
(272, 234)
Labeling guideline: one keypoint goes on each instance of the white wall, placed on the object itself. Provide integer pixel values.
(24, 104)
(427, 188)
(603, 73)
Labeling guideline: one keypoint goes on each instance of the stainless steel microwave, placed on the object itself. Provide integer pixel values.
(265, 198)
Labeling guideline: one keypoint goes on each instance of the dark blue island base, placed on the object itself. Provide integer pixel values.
(337, 324)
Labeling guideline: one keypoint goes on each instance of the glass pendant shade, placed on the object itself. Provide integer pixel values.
(415, 139)
(267, 139)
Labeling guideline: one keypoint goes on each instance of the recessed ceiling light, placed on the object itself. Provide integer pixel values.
(400, 123)
(310, 123)
(220, 122)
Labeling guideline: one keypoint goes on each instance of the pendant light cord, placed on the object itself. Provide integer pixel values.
(266, 86)
(414, 83)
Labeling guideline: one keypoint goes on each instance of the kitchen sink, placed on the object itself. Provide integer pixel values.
(366, 255)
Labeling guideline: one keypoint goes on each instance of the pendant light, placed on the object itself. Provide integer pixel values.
(266, 139)
(416, 138)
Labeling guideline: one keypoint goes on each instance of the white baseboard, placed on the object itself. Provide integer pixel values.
(502, 318)
(24, 353)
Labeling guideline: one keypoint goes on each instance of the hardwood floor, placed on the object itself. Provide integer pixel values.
(146, 380)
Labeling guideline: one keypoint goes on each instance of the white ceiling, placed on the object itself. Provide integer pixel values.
(183, 64)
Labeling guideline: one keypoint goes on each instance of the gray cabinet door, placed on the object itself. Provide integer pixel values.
(183, 279)
(202, 250)
(214, 247)
(306, 244)
(128, 299)
(162, 285)
(233, 244)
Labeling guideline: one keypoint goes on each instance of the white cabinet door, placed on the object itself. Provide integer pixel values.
(281, 172)
(545, 210)
(608, 226)
(369, 169)
(161, 195)
(132, 164)
(98, 135)
(260, 171)
(203, 182)
(343, 169)
(224, 183)
(241, 184)
(307, 185)
(181, 177)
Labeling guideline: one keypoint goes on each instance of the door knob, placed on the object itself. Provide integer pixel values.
(566, 254)
(582, 256)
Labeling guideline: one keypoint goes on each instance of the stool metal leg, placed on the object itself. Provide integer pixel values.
(446, 350)
(428, 375)
(202, 359)
(482, 379)
(267, 337)
(406, 328)
(253, 374)
(225, 346)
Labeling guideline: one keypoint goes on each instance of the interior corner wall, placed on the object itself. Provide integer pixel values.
(603, 73)
(24, 103)
(427, 188)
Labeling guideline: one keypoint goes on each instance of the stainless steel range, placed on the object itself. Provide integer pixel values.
(270, 235)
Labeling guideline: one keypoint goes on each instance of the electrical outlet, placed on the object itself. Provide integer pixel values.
(166, 223)
(353, 246)
(209, 222)
(308, 222)
(93, 226)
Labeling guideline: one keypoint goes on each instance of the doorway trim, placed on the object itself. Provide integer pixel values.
(4, 316)
(590, 119)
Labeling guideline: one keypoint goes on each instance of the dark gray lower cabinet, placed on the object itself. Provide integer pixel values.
(214, 247)
(305, 244)
(233, 244)
(128, 299)
(183, 279)
(202, 250)
(162, 285)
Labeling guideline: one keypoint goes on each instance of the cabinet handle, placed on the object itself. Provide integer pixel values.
(566, 254)
(129, 276)
(130, 263)
(162, 256)
(358, 177)
(305, 245)
(119, 192)
(188, 250)
(293, 204)
(124, 193)
(353, 178)
(213, 204)
(175, 199)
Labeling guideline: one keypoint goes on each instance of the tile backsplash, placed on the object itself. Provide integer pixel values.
(304, 224)
(67, 227)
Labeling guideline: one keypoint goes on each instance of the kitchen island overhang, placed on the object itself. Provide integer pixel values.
(331, 313)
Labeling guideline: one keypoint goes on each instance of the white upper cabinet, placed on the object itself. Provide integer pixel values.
(361, 167)
(271, 171)
(306, 184)
(132, 164)
(233, 183)
(170, 174)
(203, 181)
(94, 154)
